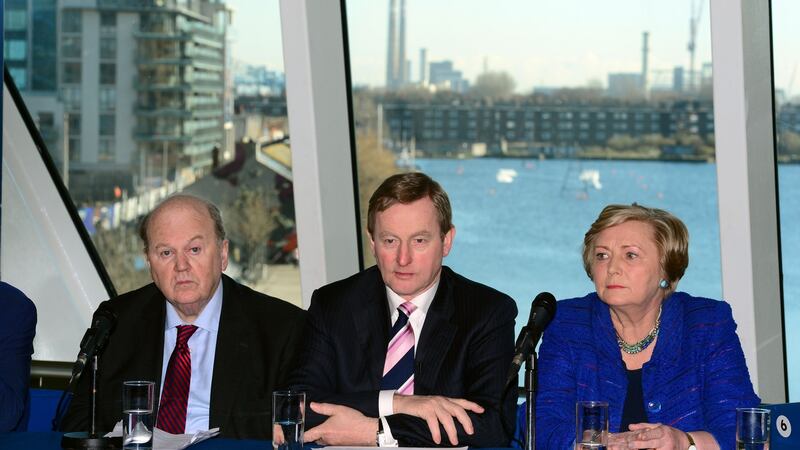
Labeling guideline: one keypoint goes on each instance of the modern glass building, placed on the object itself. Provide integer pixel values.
(102, 124)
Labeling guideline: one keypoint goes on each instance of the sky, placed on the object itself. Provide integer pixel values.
(538, 42)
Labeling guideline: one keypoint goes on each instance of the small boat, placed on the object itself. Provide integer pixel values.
(591, 177)
(506, 175)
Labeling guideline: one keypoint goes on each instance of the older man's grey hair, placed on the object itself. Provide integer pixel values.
(213, 212)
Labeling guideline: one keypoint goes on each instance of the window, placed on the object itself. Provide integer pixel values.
(71, 21)
(72, 72)
(15, 50)
(108, 47)
(74, 149)
(107, 124)
(141, 144)
(108, 98)
(108, 73)
(108, 21)
(105, 149)
(74, 120)
(44, 47)
(20, 77)
(71, 96)
(46, 120)
(580, 125)
(71, 46)
(16, 20)
(787, 127)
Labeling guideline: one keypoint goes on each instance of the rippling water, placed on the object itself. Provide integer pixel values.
(525, 236)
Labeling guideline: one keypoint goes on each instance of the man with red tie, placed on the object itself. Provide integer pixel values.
(216, 348)
(408, 352)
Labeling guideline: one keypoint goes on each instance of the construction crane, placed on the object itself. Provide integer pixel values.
(696, 12)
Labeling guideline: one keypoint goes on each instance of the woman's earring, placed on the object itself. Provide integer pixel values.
(663, 284)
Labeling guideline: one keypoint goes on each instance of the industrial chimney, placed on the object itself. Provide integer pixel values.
(645, 51)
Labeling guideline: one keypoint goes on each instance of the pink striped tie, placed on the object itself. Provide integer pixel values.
(398, 370)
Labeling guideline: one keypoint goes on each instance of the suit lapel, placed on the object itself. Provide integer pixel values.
(437, 335)
(371, 313)
(232, 348)
(151, 323)
(610, 377)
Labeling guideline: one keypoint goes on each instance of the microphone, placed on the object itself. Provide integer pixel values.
(94, 340)
(543, 309)
(92, 343)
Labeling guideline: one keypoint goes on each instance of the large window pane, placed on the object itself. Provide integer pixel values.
(16, 19)
(534, 116)
(72, 73)
(785, 39)
(164, 113)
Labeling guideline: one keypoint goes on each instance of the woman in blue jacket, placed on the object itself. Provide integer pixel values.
(669, 365)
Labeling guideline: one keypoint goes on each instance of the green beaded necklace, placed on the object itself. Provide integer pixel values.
(637, 347)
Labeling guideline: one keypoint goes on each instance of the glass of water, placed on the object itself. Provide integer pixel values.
(137, 412)
(288, 418)
(752, 429)
(591, 425)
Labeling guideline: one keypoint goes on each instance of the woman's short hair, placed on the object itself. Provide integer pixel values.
(670, 236)
(407, 188)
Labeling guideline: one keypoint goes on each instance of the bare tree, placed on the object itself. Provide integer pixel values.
(494, 85)
(123, 256)
(251, 220)
(375, 164)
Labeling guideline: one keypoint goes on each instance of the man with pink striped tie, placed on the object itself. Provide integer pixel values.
(408, 352)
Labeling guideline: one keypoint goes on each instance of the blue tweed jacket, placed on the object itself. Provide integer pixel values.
(694, 381)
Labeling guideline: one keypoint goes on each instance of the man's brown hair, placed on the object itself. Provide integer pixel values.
(407, 188)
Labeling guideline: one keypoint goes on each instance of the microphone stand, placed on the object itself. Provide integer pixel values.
(530, 401)
(90, 440)
(93, 406)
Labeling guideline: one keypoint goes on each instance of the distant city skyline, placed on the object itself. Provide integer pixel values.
(522, 37)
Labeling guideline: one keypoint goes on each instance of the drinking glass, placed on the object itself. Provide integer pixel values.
(591, 425)
(752, 429)
(288, 418)
(137, 411)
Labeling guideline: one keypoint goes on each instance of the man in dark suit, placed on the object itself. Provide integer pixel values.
(17, 329)
(240, 342)
(408, 351)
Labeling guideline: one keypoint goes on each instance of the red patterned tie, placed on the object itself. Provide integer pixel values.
(175, 395)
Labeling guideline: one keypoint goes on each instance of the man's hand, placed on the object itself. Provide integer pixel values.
(344, 426)
(438, 410)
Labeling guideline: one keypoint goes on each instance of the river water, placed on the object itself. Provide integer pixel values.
(524, 236)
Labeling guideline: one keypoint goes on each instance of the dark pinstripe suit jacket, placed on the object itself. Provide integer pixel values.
(257, 338)
(464, 351)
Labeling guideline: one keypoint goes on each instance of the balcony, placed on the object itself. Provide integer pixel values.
(161, 34)
(143, 136)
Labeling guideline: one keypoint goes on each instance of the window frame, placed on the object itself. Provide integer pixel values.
(748, 239)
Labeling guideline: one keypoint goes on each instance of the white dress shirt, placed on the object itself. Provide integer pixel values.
(416, 320)
(202, 347)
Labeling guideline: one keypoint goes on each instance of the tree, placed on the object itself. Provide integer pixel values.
(494, 85)
(789, 143)
(375, 164)
(251, 219)
(622, 142)
(123, 257)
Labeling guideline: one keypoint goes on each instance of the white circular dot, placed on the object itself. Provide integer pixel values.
(784, 426)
